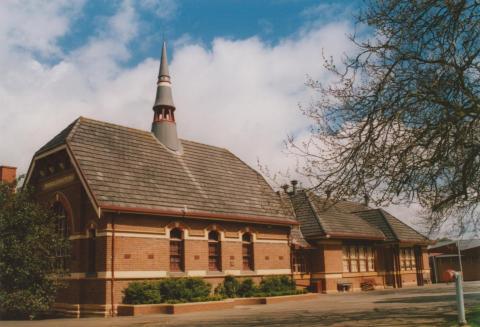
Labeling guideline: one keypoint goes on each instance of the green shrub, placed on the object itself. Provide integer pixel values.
(30, 274)
(181, 290)
(184, 289)
(247, 288)
(229, 287)
(142, 293)
(277, 284)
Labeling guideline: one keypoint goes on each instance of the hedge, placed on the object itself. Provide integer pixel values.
(170, 290)
(269, 286)
(183, 290)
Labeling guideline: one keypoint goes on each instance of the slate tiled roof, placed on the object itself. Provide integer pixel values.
(310, 225)
(345, 219)
(130, 168)
(375, 218)
(319, 218)
(402, 231)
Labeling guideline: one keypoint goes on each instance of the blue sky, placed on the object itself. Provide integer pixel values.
(203, 21)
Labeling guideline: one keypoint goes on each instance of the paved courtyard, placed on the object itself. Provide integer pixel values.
(432, 305)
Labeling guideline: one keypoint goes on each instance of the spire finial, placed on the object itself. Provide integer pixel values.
(163, 125)
(163, 74)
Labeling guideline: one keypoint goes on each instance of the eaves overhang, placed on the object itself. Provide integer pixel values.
(188, 213)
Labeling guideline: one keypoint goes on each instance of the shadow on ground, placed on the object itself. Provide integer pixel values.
(431, 299)
(439, 316)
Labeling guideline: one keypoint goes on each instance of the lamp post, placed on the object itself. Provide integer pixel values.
(459, 257)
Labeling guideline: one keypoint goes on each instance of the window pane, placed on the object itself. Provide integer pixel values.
(361, 252)
(354, 265)
(363, 265)
(371, 265)
(346, 267)
(353, 252)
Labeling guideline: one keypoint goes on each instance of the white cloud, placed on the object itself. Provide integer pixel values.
(35, 25)
(164, 9)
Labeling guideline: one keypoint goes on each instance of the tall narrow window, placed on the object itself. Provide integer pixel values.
(176, 250)
(371, 258)
(247, 251)
(214, 253)
(354, 258)
(346, 258)
(61, 228)
(92, 251)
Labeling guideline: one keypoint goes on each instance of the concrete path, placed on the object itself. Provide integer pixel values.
(432, 305)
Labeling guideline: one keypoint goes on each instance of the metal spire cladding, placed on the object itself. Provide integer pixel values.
(164, 127)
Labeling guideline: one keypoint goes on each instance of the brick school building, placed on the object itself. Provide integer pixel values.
(145, 205)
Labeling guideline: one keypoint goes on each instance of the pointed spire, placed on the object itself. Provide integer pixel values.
(164, 85)
(163, 72)
(164, 127)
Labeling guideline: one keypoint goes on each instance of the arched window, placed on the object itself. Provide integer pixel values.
(62, 230)
(176, 250)
(247, 251)
(214, 251)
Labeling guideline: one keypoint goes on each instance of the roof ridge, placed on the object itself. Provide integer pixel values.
(314, 210)
(382, 213)
(379, 230)
(113, 124)
(83, 118)
(75, 123)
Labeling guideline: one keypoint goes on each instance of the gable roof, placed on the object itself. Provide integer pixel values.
(128, 169)
(319, 217)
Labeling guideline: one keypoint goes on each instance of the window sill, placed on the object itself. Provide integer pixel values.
(91, 274)
(358, 274)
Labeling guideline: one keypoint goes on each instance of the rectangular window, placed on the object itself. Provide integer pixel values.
(407, 259)
(214, 256)
(176, 255)
(299, 261)
(358, 258)
(247, 255)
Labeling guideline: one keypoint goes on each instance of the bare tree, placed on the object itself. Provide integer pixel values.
(400, 123)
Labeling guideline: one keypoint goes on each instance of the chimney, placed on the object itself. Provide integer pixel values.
(366, 198)
(294, 186)
(8, 174)
(328, 192)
